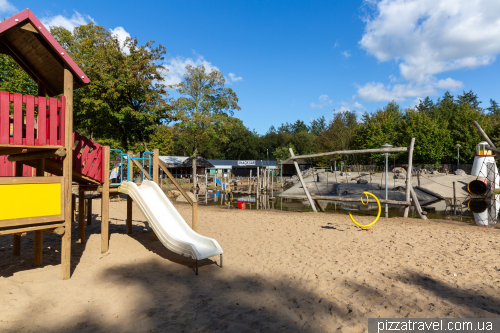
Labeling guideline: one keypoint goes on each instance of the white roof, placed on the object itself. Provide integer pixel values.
(173, 159)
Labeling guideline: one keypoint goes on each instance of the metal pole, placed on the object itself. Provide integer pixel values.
(458, 157)
(386, 173)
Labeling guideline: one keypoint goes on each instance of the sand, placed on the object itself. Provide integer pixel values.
(283, 271)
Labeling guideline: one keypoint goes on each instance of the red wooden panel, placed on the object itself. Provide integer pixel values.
(4, 117)
(18, 119)
(81, 160)
(8, 168)
(97, 163)
(76, 152)
(53, 122)
(42, 121)
(62, 117)
(30, 120)
(89, 161)
(2, 165)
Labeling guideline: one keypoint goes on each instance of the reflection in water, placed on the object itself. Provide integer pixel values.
(474, 211)
(485, 210)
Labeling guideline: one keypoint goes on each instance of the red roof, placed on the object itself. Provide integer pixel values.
(31, 45)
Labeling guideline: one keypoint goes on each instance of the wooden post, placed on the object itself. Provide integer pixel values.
(129, 214)
(67, 174)
(455, 200)
(417, 204)
(408, 176)
(194, 171)
(16, 238)
(299, 174)
(258, 182)
(250, 183)
(38, 248)
(40, 167)
(105, 204)
(130, 166)
(89, 211)
(81, 214)
(73, 205)
(195, 217)
(156, 168)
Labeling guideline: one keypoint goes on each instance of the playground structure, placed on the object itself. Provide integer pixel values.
(41, 157)
(411, 197)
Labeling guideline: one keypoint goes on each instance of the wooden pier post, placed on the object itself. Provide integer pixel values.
(408, 176)
(40, 168)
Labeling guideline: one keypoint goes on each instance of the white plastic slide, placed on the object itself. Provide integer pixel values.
(168, 224)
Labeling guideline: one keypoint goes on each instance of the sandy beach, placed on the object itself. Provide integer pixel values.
(283, 271)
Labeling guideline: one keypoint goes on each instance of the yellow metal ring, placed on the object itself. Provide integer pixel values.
(378, 215)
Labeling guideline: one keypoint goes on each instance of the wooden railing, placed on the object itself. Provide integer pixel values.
(21, 125)
(88, 157)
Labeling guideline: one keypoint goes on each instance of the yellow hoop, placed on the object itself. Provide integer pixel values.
(378, 215)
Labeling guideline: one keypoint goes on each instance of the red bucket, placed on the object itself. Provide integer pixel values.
(242, 205)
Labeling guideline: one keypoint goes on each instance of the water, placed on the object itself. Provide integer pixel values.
(435, 210)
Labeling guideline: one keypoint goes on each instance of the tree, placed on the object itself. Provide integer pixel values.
(318, 125)
(14, 79)
(126, 99)
(205, 108)
(283, 153)
(494, 108)
(161, 139)
(299, 126)
(339, 135)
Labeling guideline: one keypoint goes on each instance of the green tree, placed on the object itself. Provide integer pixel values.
(283, 153)
(494, 108)
(318, 125)
(432, 142)
(14, 79)
(126, 99)
(204, 109)
(161, 139)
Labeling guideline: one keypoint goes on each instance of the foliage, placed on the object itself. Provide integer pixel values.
(161, 139)
(126, 99)
(14, 79)
(283, 153)
(204, 110)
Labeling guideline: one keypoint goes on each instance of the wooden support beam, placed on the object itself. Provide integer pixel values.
(304, 187)
(194, 224)
(342, 199)
(81, 215)
(351, 152)
(163, 166)
(156, 158)
(320, 206)
(67, 173)
(89, 211)
(129, 215)
(60, 152)
(408, 176)
(56, 231)
(37, 262)
(105, 204)
(139, 165)
(485, 137)
(417, 204)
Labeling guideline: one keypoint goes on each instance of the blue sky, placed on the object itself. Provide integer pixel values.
(290, 60)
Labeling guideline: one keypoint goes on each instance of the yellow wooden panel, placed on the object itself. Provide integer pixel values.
(29, 200)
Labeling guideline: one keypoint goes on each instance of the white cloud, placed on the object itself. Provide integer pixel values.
(122, 35)
(233, 78)
(177, 68)
(416, 102)
(345, 106)
(7, 7)
(429, 37)
(67, 22)
(335, 45)
(346, 54)
(324, 101)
